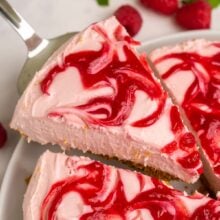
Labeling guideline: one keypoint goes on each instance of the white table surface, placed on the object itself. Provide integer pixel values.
(51, 18)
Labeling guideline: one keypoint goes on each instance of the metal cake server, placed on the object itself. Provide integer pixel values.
(39, 49)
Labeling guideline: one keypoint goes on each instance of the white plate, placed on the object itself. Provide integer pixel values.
(25, 155)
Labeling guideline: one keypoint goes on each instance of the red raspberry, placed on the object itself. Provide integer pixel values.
(196, 15)
(3, 136)
(130, 18)
(163, 6)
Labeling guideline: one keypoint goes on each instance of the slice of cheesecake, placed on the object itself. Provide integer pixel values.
(98, 94)
(65, 187)
(191, 70)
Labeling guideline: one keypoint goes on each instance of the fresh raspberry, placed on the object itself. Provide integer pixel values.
(130, 18)
(196, 15)
(163, 6)
(3, 135)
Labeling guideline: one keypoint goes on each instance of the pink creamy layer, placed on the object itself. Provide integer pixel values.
(191, 70)
(98, 94)
(64, 187)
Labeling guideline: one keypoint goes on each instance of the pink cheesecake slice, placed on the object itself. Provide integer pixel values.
(98, 94)
(78, 188)
(191, 70)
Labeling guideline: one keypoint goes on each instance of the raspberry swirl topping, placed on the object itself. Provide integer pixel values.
(105, 191)
(109, 193)
(105, 69)
(209, 211)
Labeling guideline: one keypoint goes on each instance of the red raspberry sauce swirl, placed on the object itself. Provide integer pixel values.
(202, 99)
(104, 66)
(161, 201)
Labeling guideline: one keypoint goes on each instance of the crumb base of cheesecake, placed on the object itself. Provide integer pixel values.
(147, 170)
(150, 171)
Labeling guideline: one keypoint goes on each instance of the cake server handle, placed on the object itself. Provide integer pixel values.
(26, 32)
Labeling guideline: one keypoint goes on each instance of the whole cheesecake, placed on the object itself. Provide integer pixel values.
(191, 70)
(78, 188)
(97, 94)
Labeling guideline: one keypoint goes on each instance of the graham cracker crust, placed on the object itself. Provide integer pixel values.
(150, 171)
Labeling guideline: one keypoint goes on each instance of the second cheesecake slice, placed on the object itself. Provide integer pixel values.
(191, 70)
